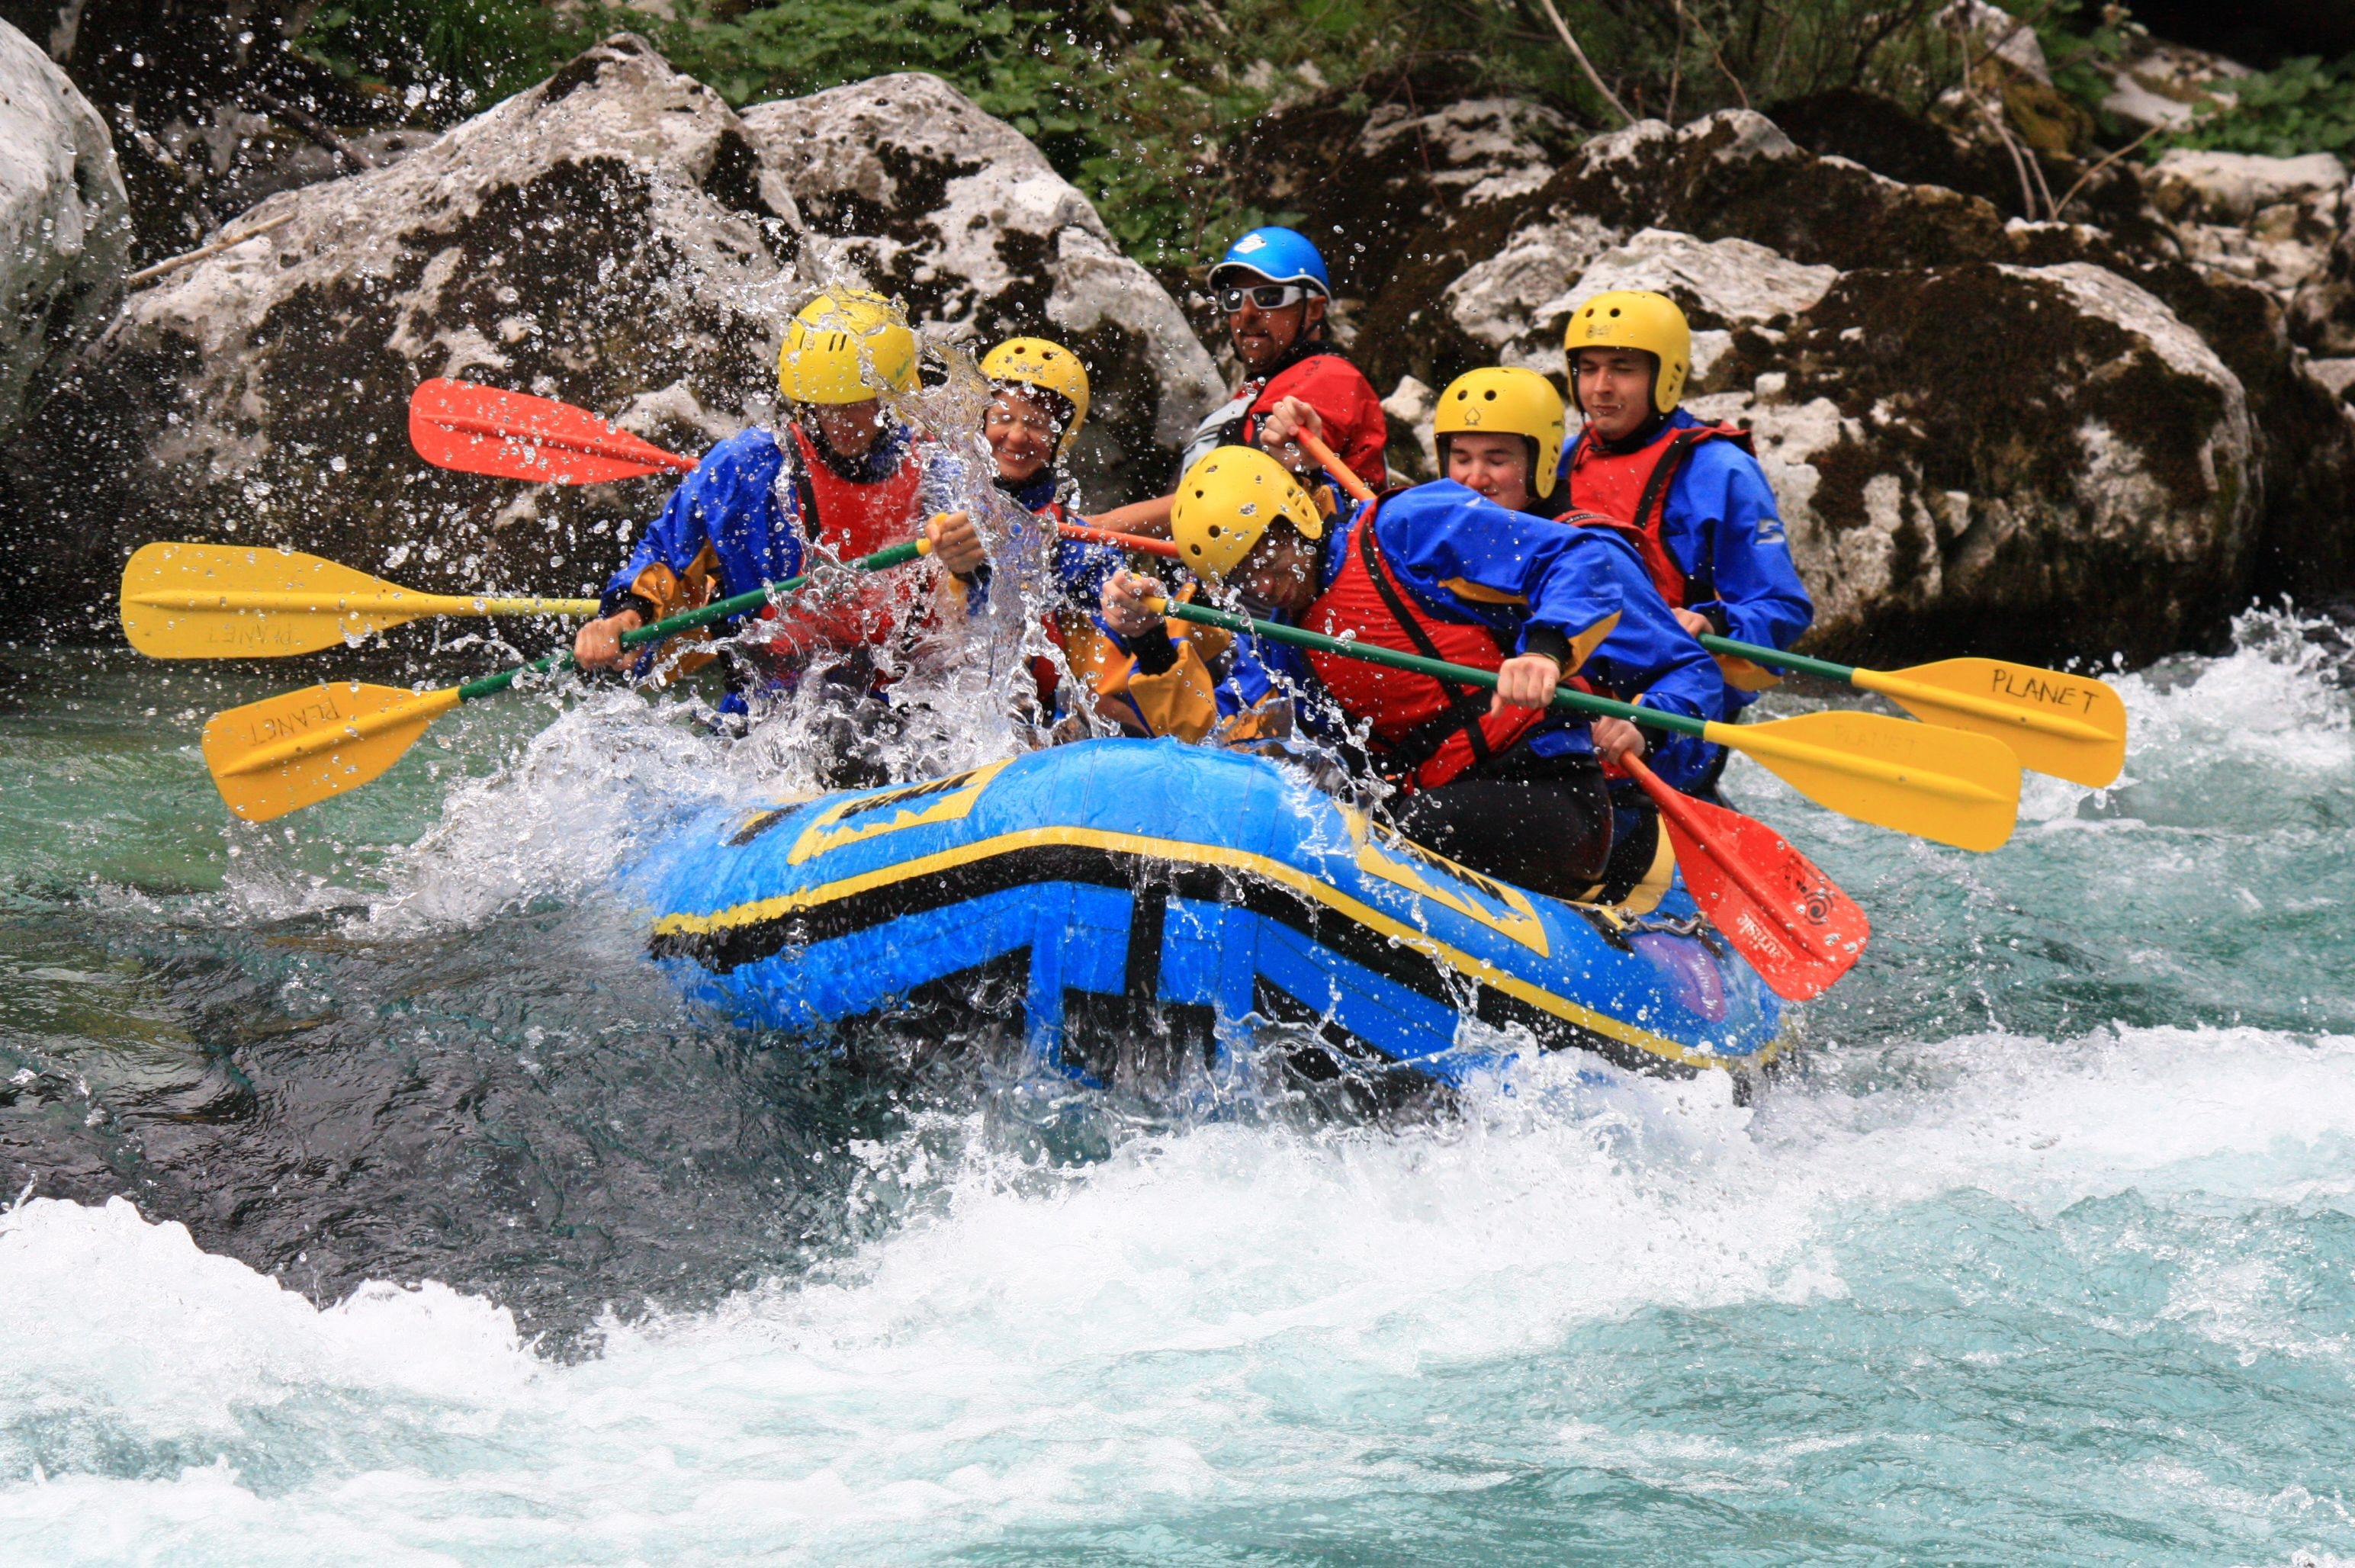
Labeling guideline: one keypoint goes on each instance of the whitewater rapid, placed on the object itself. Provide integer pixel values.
(2047, 1255)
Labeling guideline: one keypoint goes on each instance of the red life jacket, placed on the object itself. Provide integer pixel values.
(852, 520)
(1428, 730)
(1634, 487)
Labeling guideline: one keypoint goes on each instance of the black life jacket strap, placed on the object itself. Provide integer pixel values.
(1698, 584)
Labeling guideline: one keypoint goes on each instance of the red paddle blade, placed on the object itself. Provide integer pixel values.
(1792, 921)
(514, 435)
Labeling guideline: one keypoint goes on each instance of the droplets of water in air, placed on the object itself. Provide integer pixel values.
(2048, 1253)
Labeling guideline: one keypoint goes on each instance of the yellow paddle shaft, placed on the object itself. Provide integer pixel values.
(294, 748)
(2055, 724)
(397, 602)
(1759, 741)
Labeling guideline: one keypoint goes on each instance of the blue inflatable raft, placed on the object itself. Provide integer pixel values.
(1114, 894)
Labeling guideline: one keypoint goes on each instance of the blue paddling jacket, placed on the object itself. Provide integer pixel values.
(1718, 545)
(1512, 580)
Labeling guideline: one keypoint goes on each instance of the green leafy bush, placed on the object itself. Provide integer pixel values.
(2079, 40)
(2305, 106)
(454, 54)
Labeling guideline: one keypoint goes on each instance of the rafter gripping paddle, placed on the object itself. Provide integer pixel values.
(299, 748)
(1799, 930)
(216, 601)
(1932, 783)
(2070, 726)
(513, 435)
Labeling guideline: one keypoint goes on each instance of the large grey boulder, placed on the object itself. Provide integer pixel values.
(2269, 220)
(65, 227)
(1975, 454)
(609, 236)
(2038, 439)
(616, 237)
(1991, 455)
(1720, 284)
(930, 199)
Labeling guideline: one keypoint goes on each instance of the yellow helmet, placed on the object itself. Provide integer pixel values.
(1633, 318)
(846, 345)
(1225, 503)
(1512, 401)
(1050, 367)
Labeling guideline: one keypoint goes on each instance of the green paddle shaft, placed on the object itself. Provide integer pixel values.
(688, 620)
(1564, 698)
(1777, 657)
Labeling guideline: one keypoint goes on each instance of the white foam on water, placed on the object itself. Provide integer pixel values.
(1203, 1318)
(1039, 1345)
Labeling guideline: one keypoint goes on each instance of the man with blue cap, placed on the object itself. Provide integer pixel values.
(1274, 290)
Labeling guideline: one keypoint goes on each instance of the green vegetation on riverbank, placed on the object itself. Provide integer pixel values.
(1142, 106)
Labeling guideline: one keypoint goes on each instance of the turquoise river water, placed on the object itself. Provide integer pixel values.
(374, 1202)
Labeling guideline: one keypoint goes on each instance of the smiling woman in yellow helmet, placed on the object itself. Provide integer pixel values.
(843, 473)
(1713, 538)
(1505, 786)
(1039, 401)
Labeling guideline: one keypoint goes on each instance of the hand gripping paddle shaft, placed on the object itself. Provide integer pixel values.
(1932, 783)
(299, 748)
(2070, 726)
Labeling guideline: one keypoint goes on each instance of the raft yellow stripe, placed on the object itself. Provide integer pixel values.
(761, 911)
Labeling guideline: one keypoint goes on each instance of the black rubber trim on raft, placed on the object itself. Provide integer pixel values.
(1375, 1083)
(1230, 887)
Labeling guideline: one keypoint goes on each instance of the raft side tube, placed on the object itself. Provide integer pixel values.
(1147, 888)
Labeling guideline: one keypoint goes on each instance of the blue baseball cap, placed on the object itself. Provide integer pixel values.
(1278, 255)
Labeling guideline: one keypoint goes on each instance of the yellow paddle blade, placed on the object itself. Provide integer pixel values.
(211, 601)
(1930, 782)
(296, 749)
(2070, 726)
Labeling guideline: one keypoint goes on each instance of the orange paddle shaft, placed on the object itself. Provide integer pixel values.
(1343, 474)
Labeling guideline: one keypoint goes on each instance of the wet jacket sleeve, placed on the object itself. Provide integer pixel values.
(1723, 508)
(689, 549)
(1649, 659)
(1558, 585)
(1196, 684)
(1687, 683)
(1355, 426)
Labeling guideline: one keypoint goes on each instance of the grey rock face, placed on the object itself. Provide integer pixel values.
(65, 227)
(2041, 439)
(928, 197)
(1719, 285)
(1985, 455)
(617, 238)
(607, 237)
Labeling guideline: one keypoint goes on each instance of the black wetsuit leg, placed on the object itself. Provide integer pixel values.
(1544, 823)
(1632, 847)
